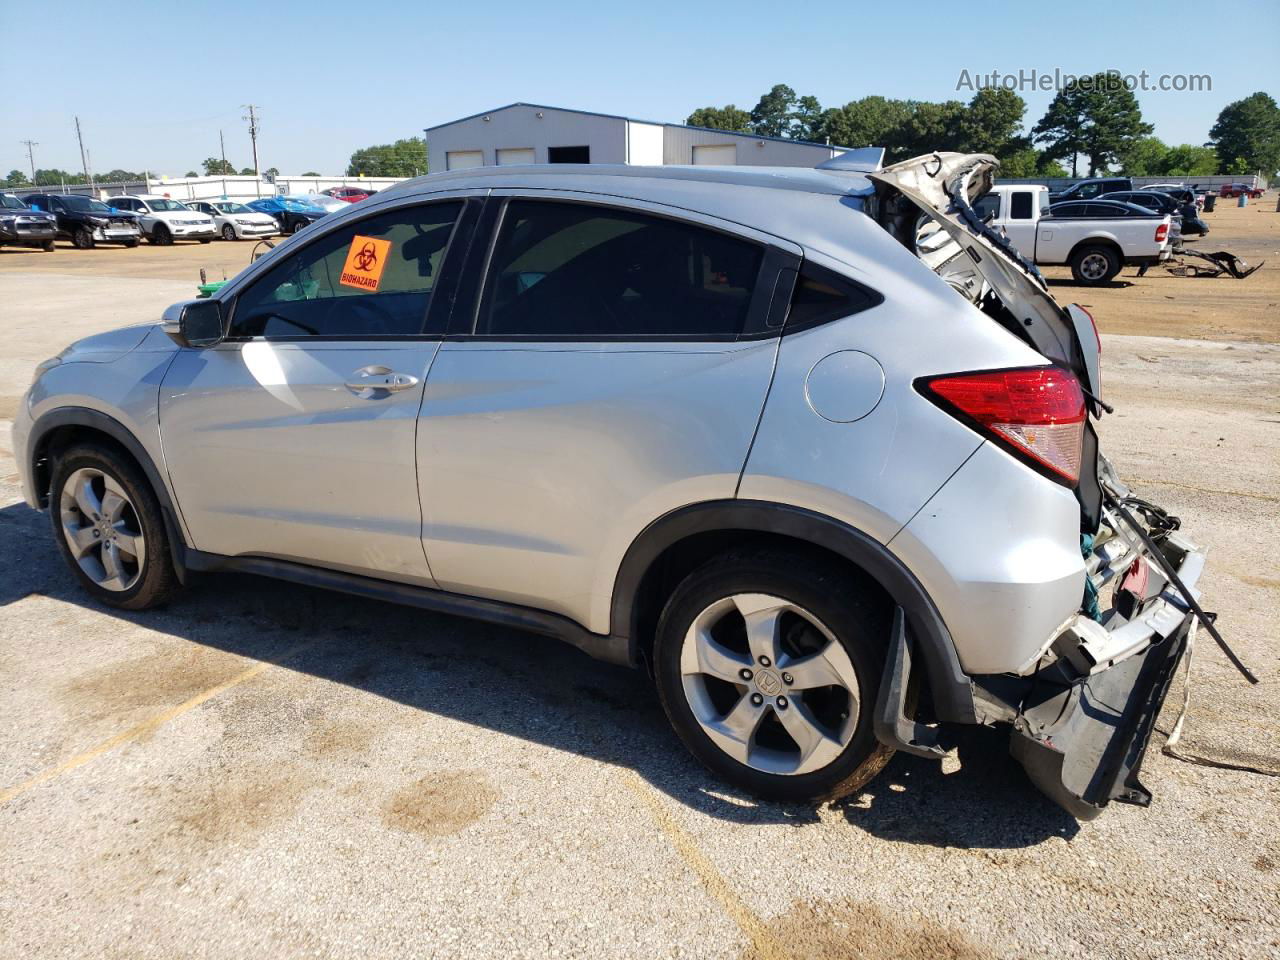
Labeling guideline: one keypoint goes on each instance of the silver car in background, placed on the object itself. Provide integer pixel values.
(836, 488)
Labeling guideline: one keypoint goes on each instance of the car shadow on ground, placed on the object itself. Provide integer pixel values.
(540, 690)
(1109, 285)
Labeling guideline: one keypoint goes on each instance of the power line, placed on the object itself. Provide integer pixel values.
(253, 133)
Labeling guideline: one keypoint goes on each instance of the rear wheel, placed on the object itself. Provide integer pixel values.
(82, 239)
(109, 528)
(1094, 264)
(767, 665)
(228, 232)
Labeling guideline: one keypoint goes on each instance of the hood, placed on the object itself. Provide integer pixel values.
(945, 186)
(106, 347)
(181, 215)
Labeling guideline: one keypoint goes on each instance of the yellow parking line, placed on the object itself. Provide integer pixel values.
(144, 728)
(767, 946)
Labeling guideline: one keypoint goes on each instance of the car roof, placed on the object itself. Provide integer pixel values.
(650, 181)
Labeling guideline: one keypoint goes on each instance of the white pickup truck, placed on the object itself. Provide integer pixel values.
(1095, 237)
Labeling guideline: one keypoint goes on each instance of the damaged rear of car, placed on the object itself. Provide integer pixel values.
(1083, 703)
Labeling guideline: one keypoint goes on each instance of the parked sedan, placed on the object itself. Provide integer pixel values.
(291, 215)
(20, 226)
(322, 200)
(349, 194)
(87, 222)
(235, 221)
(1236, 189)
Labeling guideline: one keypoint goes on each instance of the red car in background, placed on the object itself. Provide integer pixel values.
(1235, 189)
(349, 194)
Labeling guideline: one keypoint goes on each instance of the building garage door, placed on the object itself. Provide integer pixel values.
(463, 159)
(723, 154)
(511, 155)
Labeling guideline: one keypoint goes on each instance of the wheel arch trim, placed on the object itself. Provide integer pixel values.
(53, 420)
(950, 686)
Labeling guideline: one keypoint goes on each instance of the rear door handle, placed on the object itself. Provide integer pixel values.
(376, 381)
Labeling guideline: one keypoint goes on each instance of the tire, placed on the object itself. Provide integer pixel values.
(82, 239)
(823, 628)
(48, 246)
(91, 480)
(206, 239)
(228, 232)
(298, 225)
(131, 243)
(161, 236)
(1094, 264)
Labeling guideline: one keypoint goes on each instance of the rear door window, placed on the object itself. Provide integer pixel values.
(574, 270)
(371, 279)
(988, 206)
(1020, 205)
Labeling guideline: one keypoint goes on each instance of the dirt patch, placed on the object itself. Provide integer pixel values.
(1265, 864)
(335, 737)
(440, 803)
(165, 678)
(849, 930)
(238, 802)
(9, 407)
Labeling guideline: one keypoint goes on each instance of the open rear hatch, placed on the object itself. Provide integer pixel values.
(1083, 719)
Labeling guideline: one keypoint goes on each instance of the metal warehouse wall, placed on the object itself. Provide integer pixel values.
(536, 127)
(679, 142)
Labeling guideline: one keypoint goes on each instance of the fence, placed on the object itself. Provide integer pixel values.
(216, 188)
(1210, 184)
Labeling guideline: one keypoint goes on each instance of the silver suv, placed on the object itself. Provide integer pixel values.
(814, 447)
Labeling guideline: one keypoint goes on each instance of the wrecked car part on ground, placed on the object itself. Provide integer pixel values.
(1220, 262)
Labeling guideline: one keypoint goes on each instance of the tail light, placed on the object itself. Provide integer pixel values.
(1035, 413)
(1162, 232)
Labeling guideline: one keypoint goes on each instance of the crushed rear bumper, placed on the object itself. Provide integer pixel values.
(1083, 743)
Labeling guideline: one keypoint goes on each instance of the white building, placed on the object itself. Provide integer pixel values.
(529, 133)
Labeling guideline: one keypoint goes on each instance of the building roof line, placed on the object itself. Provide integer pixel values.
(656, 123)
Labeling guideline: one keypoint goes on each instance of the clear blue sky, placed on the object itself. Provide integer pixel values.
(332, 77)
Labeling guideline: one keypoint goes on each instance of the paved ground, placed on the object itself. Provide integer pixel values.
(263, 769)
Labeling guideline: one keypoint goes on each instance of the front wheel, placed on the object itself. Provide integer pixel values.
(131, 243)
(1094, 265)
(48, 246)
(161, 236)
(82, 239)
(228, 232)
(768, 665)
(109, 528)
(206, 239)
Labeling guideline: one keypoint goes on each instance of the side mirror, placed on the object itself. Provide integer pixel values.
(194, 323)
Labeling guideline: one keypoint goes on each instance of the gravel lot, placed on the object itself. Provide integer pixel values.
(267, 770)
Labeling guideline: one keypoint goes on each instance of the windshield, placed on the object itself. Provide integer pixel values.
(165, 204)
(231, 208)
(10, 202)
(85, 204)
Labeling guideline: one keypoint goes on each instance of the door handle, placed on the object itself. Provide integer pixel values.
(376, 381)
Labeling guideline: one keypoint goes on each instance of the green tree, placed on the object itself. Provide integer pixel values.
(870, 122)
(991, 122)
(1020, 163)
(1097, 116)
(16, 178)
(118, 176)
(404, 158)
(933, 126)
(806, 120)
(727, 117)
(216, 167)
(246, 172)
(271, 172)
(771, 117)
(1247, 135)
(56, 177)
(311, 173)
(1188, 160)
(1143, 157)
(191, 173)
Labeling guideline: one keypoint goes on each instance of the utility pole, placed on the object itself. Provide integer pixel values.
(253, 134)
(223, 144)
(31, 156)
(84, 162)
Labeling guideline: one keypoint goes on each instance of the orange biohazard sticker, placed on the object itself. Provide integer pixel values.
(366, 260)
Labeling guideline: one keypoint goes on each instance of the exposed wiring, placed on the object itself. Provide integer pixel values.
(1172, 574)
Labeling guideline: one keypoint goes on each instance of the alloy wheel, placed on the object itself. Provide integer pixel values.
(228, 232)
(769, 684)
(1094, 266)
(102, 529)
